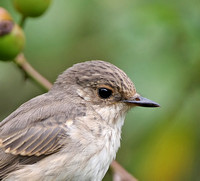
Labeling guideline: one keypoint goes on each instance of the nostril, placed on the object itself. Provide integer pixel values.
(137, 99)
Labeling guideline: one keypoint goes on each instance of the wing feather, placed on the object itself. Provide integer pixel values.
(34, 141)
(29, 139)
(15, 143)
(36, 130)
(47, 143)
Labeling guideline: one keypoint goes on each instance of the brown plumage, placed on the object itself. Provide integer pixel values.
(70, 121)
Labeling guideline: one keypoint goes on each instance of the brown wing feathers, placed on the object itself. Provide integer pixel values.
(27, 135)
(32, 141)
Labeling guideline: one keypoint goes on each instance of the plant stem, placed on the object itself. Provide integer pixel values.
(22, 21)
(120, 174)
(32, 73)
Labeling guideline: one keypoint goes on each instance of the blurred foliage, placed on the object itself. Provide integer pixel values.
(157, 43)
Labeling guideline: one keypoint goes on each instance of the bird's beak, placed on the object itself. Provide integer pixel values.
(141, 101)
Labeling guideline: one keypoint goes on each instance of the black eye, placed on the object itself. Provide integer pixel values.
(104, 93)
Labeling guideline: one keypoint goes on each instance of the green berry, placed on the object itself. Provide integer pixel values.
(32, 8)
(12, 40)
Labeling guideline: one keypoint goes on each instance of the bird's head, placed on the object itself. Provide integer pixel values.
(102, 84)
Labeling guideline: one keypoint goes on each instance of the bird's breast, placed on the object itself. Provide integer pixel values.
(90, 148)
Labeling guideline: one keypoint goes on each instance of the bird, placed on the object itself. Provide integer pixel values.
(72, 132)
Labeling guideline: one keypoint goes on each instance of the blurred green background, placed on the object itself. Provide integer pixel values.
(157, 43)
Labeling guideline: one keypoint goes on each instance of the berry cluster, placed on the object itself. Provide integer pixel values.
(12, 37)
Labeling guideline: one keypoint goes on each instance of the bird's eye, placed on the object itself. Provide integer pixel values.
(104, 93)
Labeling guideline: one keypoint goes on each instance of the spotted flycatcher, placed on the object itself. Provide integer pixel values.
(72, 132)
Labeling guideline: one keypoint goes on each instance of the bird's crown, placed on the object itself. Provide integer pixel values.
(99, 75)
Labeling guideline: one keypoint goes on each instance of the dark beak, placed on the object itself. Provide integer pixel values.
(141, 101)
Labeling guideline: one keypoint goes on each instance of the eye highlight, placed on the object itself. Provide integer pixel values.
(104, 93)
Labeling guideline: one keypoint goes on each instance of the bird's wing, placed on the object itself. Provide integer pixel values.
(38, 128)
(30, 145)
(34, 140)
(35, 128)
